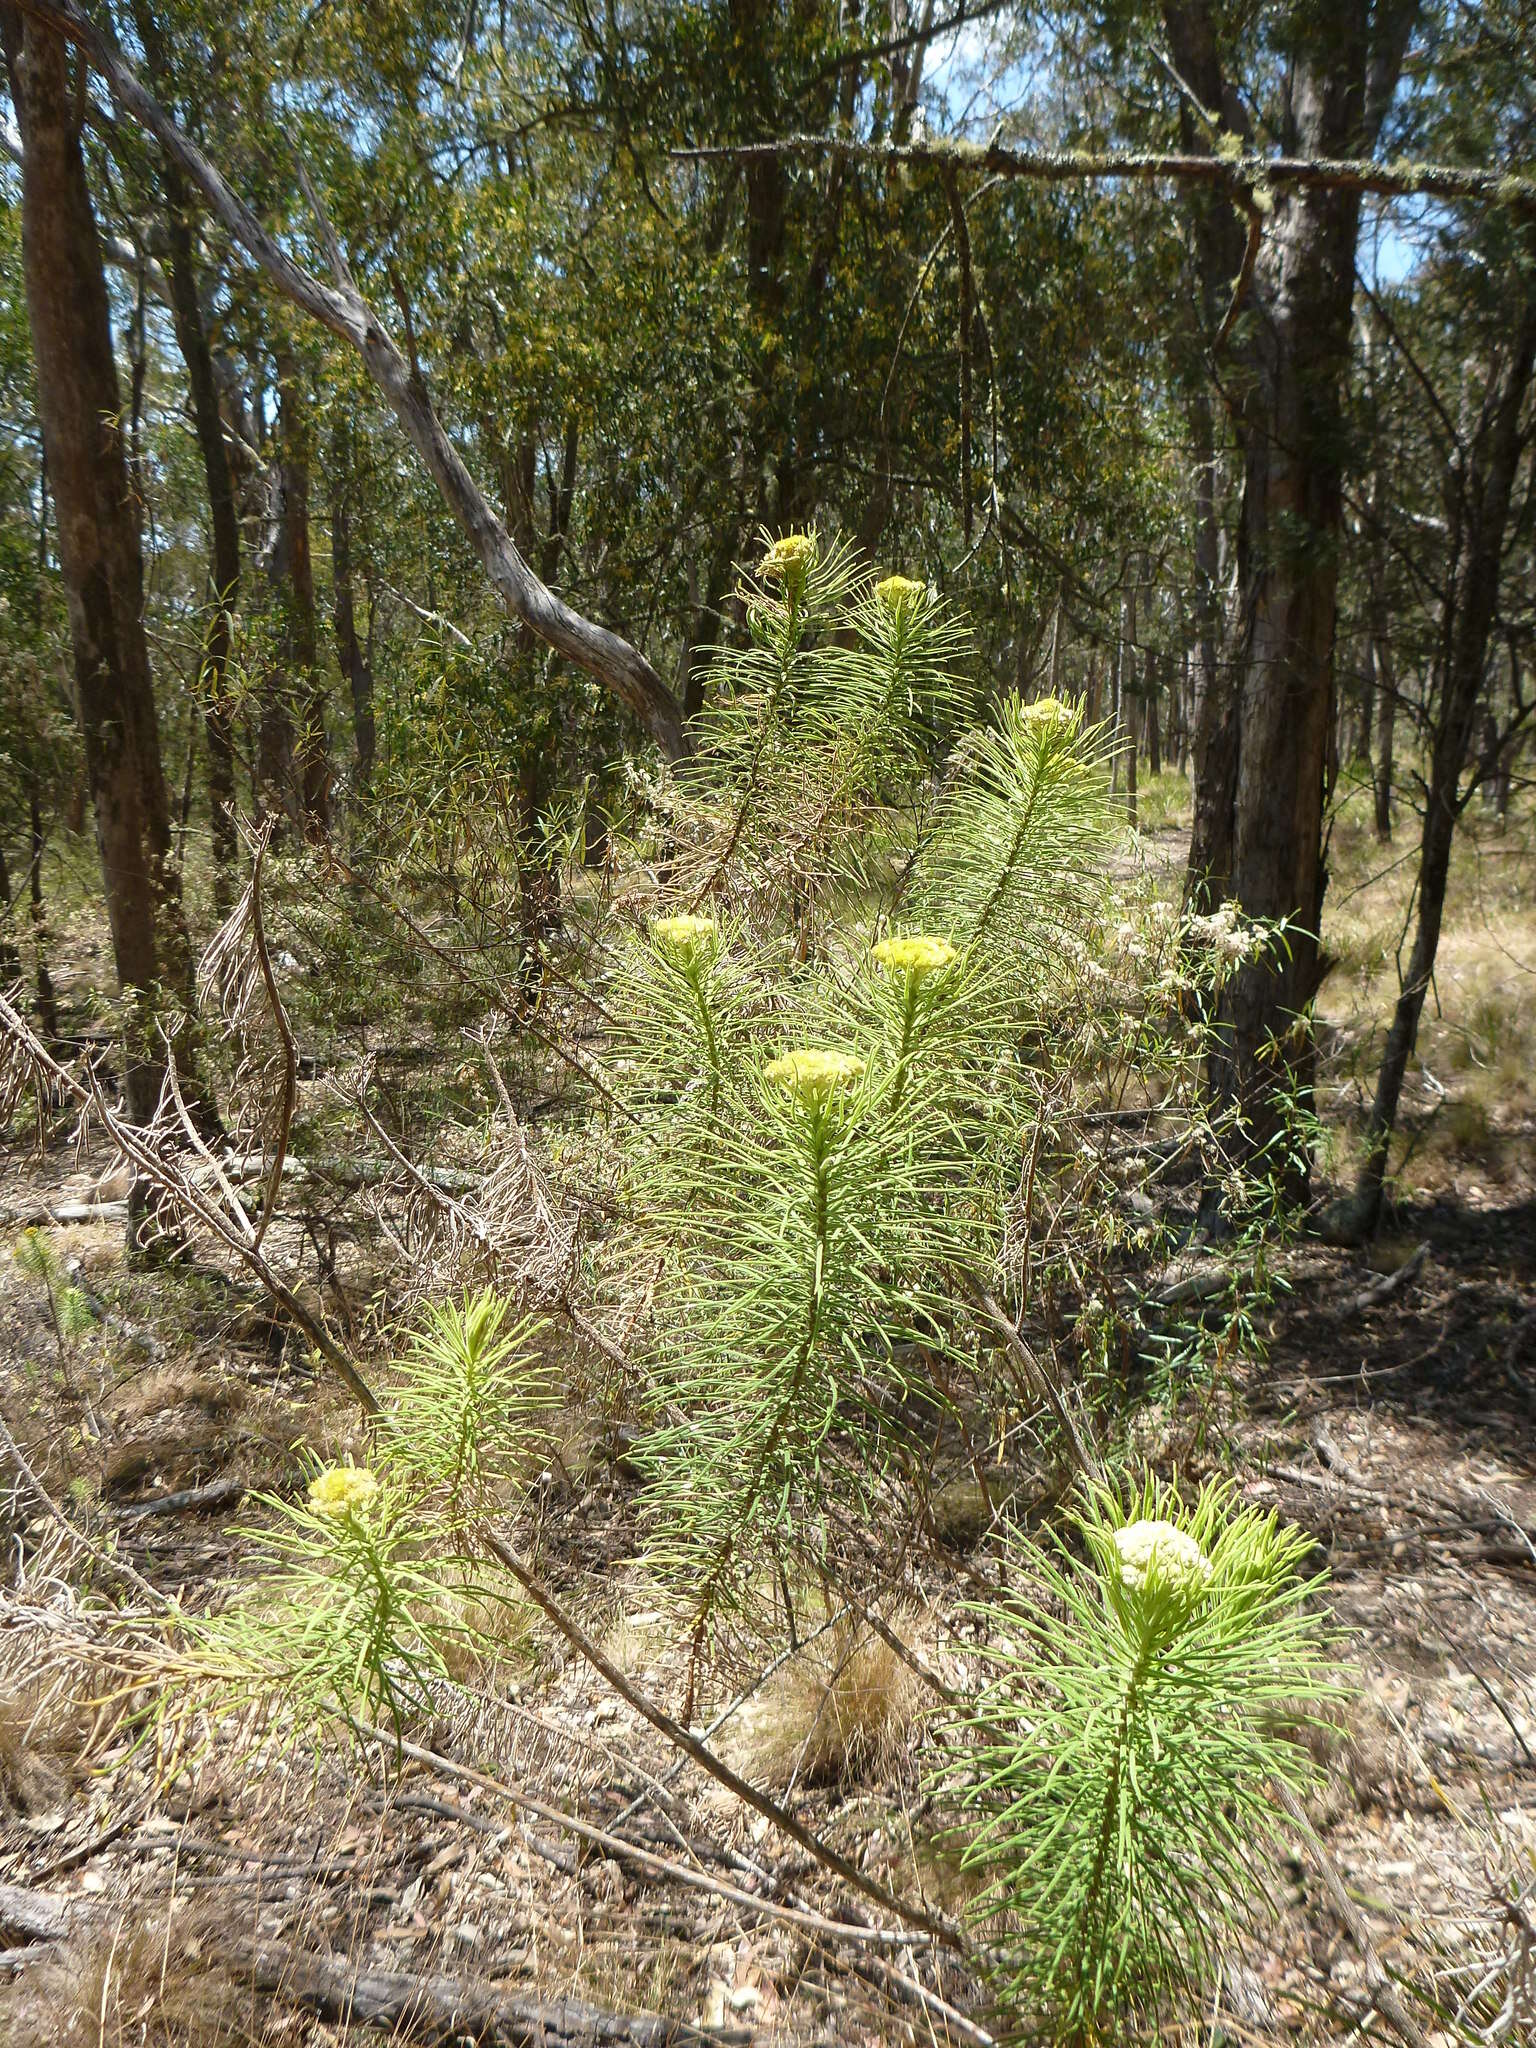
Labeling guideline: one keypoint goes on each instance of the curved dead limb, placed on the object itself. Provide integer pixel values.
(1240, 173)
(237, 974)
(341, 308)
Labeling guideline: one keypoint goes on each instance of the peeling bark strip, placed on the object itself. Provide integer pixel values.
(341, 308)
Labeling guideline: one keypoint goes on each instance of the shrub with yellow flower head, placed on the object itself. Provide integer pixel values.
(1118, 1769)
(787, 563)
(343, 1490)
(813, 1075)
(686, 941)
(900, 595)
(1051, 717)
(918, 954)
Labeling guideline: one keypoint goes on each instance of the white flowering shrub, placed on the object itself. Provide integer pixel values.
(1117, 1771)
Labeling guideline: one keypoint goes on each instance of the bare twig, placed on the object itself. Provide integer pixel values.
(939, 1929)
(118, 1566)
(1384, 1993)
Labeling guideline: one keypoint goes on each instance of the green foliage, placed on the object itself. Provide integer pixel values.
(69, 1307)
(820, 1126)
(472, 1402)
(350, 1614)
(367, 1596)
(1117, 1767)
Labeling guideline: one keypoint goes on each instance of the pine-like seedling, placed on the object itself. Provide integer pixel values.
(1118, 1769)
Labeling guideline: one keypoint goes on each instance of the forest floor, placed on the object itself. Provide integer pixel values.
(156, 1895)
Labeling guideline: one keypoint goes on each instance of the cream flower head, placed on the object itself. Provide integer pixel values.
(787, 559)
(1049, 715)
(813, 1076)
(1160, 1556)
(898, 594)
(342, 1490)
(684, 940)
(917, 955)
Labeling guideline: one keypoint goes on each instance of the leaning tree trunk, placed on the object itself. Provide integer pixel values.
(80, 409)
(340, 308)
(1469, 609)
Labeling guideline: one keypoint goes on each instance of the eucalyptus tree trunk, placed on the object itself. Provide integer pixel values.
(300, 638)
(224, 528)
(1481, 501)
(80, 409)
(1292, 352)
(351, 655)
(10, 952)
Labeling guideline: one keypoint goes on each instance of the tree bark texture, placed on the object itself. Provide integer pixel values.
(1289, 375)
(98, 539)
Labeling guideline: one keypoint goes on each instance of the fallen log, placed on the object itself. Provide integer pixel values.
(193, 1500)
(440, 2008)
(35, 1916)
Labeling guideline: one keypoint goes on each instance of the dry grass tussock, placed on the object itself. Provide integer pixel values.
(1470, 1098)
(59, 1705)
(841, 1711)
(148, 1982)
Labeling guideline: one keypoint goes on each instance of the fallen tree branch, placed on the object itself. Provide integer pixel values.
(37, 1916)
(341, 308)
(1387, 1284)
(1238, 174)
(448, 2009)
(194, 1500)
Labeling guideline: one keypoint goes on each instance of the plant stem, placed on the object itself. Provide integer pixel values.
(904, 1050)
(1089, 1939)
(819, 1134)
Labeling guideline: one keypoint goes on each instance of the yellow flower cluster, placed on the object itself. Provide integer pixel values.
(788, 559)
(1160, 1556)
(685, 940)
(916, 955)
(1049, 714)
(341, 1490)
(813, 1076)
(898, 594)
